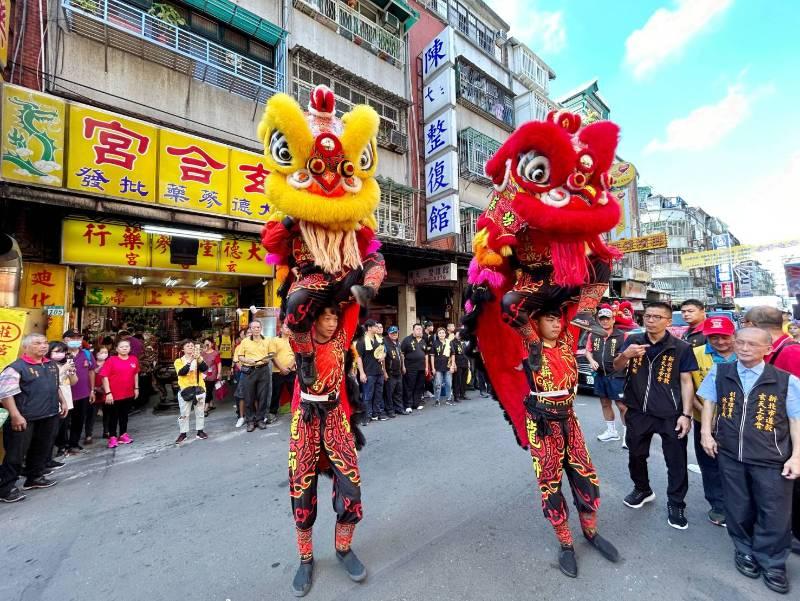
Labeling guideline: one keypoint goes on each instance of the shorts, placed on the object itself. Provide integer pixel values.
(609, 387)
(226, 362)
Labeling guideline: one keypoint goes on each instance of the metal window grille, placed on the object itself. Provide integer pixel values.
(474, 149)
(395, 214)
(469, 219)
(484, 94)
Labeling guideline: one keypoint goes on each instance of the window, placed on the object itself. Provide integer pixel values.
(477, 89)
(205, 27)
(469, 218)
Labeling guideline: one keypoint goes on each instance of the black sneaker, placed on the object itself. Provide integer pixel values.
(302, 579)
(637, 498)
(40, 482)
(355, 569)
(201, 434)
(180, 438)
(261, 425)
(606, 548)
(54, 465)
(362, 294)
(12, 496)
(676, 517)
(586, 321)
(567, 563)
(383, 418)
(271, 418)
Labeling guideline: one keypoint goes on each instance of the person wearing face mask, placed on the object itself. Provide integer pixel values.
(58, 354)
(99, 395)
(82, 414)
(213, 361)
(120, 386)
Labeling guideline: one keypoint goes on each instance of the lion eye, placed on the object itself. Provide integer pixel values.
(279, 149)
(534, 167)
(367, 158)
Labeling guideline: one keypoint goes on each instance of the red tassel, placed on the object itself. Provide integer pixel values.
(569, 263)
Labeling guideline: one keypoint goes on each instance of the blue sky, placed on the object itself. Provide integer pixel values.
(705, 92)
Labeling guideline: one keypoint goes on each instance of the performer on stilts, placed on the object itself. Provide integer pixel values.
(322, 195)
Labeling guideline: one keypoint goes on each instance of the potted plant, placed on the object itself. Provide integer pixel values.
(164, 13)
(88, 6)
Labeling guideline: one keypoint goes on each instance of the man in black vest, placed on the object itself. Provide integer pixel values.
(608, 382)
(659, 394)
(756, 439)
(29, 392)
(415, 366)
(393, 374)
(693, 312)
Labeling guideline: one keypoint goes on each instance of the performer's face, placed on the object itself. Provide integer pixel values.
(326, 324)
(549, 327)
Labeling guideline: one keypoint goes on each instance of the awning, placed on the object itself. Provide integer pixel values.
(240, 18)
(400, 9)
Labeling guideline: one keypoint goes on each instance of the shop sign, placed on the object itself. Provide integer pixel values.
(745, 282)
(438, 93)
(246, 194)
(792, 273)
(709, 258)
(209, 298)
(192, 173)
(625, 228)
(243, 257)
(441, 175)
(207, 255)
(650, 242)
(55, 310)
(5, 20)
(12, 326)
(728, 290)
(632, 289)
(112, 295)
(442, 218)
(111, 155)
(440, 133)
(446, 272)
(91, 243)
(438, 54)
(33, 137)
(44, 285)
(622, 174)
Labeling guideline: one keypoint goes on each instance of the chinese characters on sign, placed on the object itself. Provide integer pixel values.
(441, 175)
(440, 133)
(44, 285)
(12, 326)
(728, 290)
(111, 155)
(446, 272)
(111, 295)
(439, 93)
(442, 217)
(650, 242)
(247, 178)
(438, 53)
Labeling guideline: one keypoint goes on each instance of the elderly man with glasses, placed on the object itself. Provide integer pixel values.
(659, 394)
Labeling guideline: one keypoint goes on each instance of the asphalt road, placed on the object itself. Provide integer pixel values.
(451, 513)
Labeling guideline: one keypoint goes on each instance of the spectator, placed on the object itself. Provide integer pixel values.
(693, 312)
(211, 357)
(192, 393)
(370, 370)
(136, 340)
(148, 361)
(29, 391)
(393, 374)
(284, 371)
(794, 330)
(659, 395)
(120, 384)
(459, 347)
(451, 331)
(100, 358)
(608, 382)
(442, 364)
(415, 368)
(757, 442)
(59, 354)
(224, 343)
(82, 414)
(718, 349)
(430, 338)
(253, 355)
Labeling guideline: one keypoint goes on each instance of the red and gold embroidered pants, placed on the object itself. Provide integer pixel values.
(561, 451)
(309, 439)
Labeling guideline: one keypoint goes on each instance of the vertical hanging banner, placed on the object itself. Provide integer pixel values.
(441, 175)
(111, 155)
(247, 175)
(44, 286)
(438, 54)
(5, 20)
(192, 173)
(12, 327)
(33, 137)
(442, 217)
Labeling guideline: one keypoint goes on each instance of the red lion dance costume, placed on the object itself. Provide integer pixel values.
(538, 253)
(322, 194)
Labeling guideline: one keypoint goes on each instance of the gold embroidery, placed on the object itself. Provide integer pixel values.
(726, 405)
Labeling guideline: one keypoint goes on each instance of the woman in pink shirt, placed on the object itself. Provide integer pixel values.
(120, 386)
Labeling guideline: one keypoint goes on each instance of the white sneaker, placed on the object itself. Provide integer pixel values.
(624, 435)
(420, 408)
(608, 436)
(240, 422)
(408, 410)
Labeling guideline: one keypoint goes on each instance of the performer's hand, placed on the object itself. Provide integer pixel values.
(709, 444)
(594, 365)
(635, 351)
(684, 425)
(791, 469)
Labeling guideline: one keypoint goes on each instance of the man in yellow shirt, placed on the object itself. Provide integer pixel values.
(284, 371)
(253, 355)
(224, 342)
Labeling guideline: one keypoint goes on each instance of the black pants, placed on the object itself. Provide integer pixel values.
(146, 390)
(480, 383)
(61, 438)
(210, 388)
(460, 382)
(257, 386)
(641, 427)
(796, 510)
(279, 382)
(709, 470)
(393, 394)
(758, 505)
(81, 419)
(118, 416)
(413, 387)
(37, 438)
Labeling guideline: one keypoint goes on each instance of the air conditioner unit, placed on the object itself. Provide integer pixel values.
(391, 23)
(398, 140)
(500, 37)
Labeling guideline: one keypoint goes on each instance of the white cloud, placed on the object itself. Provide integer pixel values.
(705, 126)
(668, 31)
(544, 31)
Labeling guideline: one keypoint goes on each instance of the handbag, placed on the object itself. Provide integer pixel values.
(191, 394)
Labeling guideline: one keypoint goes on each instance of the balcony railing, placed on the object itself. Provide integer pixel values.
(474, 149)
(125, 27)
(357, 28)
(530, 69)
(395, 214)
(468, 23)
(485, 95)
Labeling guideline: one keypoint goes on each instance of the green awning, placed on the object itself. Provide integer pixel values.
(243, 20)
(400, 9)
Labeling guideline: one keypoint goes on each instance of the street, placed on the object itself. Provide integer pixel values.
(451, 513)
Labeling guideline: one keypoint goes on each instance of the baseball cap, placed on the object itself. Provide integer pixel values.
(393, 330)
(718, 325)
(605, 313)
